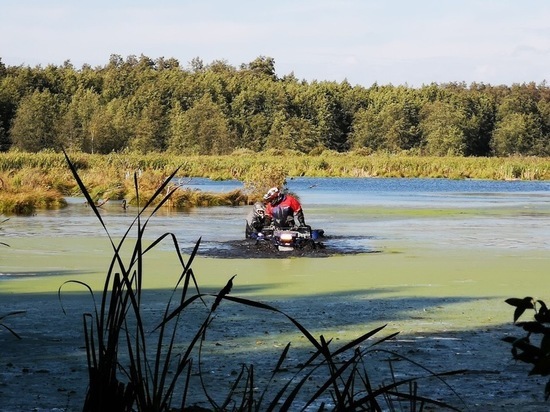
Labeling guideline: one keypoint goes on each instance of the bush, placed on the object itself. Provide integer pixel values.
(534, 346)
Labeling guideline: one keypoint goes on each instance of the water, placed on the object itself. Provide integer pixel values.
(377, 212)
(451, 252)
(362, 191)
(405, 216)
(432, 218)
(438, 212)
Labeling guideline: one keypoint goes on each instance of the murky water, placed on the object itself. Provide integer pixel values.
(450, 252)
(419, 226)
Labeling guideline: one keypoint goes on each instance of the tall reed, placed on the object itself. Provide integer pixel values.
(4, 325)
(324, 164)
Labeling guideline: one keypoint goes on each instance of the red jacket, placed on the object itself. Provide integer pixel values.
(282, 214)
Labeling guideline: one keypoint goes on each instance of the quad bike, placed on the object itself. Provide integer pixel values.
(291, 238)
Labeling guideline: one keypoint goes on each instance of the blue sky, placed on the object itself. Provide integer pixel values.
(410, 42)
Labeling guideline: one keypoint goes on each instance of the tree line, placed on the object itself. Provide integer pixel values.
(145, 105)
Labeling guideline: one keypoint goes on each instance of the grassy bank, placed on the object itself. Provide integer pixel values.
(41, 180)
(327, 164)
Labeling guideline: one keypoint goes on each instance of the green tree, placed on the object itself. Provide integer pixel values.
(34, 125)
(253, 111)
(520, 125)
(3, 70)
(90, 79)
(75, 125)
(16, 83)
(442, 126)
(304, 133)
(119, 77)
(332, 117)
(480, 112)
(7, 112)
(278, 137)
(294, 134)
(200, 130)
(261, 66)
(518, 134)
(139, 102)
(519, 99)
(368, 130)
(543, 107)
(399, 126)
(151, 129)
(60, 80)
(111, 127)
(177, 138)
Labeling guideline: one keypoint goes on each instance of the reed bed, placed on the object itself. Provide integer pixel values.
(133, 365)
(110, 176)
(23, 191)
(326, 164)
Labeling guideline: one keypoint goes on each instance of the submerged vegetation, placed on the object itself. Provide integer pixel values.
(136, 363)
(40, 180)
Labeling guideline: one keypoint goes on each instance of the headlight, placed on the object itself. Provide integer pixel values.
(286, 237)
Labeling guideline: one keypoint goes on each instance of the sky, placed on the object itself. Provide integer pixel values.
(398, 42)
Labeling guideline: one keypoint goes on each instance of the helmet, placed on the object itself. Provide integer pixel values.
(272, 195)
(259, 209)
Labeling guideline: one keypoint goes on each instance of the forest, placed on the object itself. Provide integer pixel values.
(144, 105)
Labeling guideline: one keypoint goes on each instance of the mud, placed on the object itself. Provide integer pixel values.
(263, 249)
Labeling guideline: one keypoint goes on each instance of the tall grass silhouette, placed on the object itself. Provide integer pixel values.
(3, 324)
(134, 366)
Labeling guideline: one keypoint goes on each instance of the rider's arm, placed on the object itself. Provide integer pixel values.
(300, 217)
(268, 215)
(294, 204)
(298, 212)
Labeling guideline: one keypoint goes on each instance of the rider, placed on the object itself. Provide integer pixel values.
(281, 209)
(255, 221)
